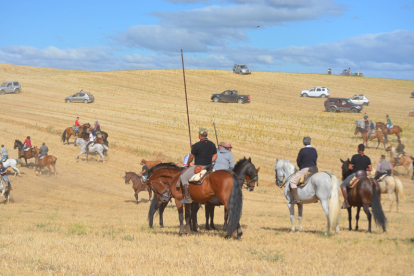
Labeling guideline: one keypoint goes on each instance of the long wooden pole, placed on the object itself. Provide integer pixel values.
(186, 101)
(215, 133)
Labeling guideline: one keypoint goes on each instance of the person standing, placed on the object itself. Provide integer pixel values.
(3, 172)
(144, 172)
(205, 153)
(4, 153)
(225, 159)
(307, 158)
(400, 152)
(358, 162)
(384, 167)
(42, 152)
(77, 124)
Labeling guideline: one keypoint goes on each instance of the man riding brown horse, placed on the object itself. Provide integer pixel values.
(205, 154)
(400, 152)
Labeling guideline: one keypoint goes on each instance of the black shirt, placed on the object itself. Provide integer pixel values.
(360, 162)
(203, 152)
(146, 170)
(307, 158)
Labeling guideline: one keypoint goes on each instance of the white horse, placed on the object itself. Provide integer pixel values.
(96, 148)
(321, 186)
(12, 163)
(4, 189)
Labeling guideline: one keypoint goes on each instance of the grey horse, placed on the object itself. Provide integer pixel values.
(96, 148)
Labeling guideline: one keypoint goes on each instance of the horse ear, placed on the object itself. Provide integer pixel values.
(250, 160)
(277, 160)
(342, 160)
(258, 169)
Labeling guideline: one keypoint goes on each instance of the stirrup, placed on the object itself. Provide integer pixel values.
(344, 206)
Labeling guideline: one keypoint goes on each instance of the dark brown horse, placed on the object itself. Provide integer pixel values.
(366, 192)
(375, 134)
(68, 132)
(46, 161)
(23, 154)
(221, 184)
(137, 184)
(394, 130)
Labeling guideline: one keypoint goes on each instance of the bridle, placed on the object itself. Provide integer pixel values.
(282, 184)
(165, 194)
(247, 182)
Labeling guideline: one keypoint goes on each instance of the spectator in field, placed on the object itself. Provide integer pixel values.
(225, 159)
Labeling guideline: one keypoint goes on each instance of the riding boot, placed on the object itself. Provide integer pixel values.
(397, 161)
(186, 194)
(296, 199)
(346, 204)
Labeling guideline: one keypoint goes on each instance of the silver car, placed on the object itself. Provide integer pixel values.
(80, 97)
(10, 87)
(241, 69)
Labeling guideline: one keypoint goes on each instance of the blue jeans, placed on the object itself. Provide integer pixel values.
(25, 147)
(4, 157)
(145, 177)
(76, 129)
(5, 176)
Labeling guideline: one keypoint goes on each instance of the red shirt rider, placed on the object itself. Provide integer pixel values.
(77, 122)
(27, 142)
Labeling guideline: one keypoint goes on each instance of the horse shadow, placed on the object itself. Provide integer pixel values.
(134, 201)
(287, 229)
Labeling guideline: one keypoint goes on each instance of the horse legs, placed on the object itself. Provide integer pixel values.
(48, 167)
(366, 210)
(390, 197)
(149, 194)
(103, 157)
(161, 213)
(226, 217)
(396, 196)
(193, 216)
(357, 218)
(292, 216)
(187, 208)
(181, 218)
(239, 232)
(300, 212)
(136, 197)
(350, 218)
(325, 208)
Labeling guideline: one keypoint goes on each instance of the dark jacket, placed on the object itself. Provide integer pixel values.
(307, 157)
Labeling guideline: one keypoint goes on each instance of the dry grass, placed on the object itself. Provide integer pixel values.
(85, 220)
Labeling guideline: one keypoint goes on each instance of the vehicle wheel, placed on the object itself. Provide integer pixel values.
(354, 110)
(215, 99)
(234, 72)
(304, 95)
(332, 109)
(85, 101)
(240, 101)
(1, 92)
(17, 91)
(241, 73)
(67, 101)
(323, 96)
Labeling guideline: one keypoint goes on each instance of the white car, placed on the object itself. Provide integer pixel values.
(317, 91)
(360, 99)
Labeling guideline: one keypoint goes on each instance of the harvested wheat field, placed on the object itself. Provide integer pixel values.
(86, 221)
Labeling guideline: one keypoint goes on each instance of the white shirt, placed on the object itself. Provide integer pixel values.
(90, 137)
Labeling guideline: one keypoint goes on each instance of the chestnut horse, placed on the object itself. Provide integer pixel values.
(68, 132)
(47, 160)
(137, 184)
(394, 130)
(365, 192)
(405, 160)
(23, 154)
(375, 134)
(221, 184)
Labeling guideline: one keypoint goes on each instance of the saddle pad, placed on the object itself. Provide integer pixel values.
(197, 176)
(354, 180)
(40, 158)
(203, 174)
(305, 179)
(27, 149)
(382, 177)
(91, 145)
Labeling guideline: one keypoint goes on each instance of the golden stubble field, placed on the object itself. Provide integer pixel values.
(85, 220)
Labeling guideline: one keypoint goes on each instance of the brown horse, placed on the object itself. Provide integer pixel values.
(151, 164)
(394, 130)
(47, 160)
(375, 134)
(405, 161)
(221, 184)
(366, 192)
(68, 132)
(23, 154)
(137, 184)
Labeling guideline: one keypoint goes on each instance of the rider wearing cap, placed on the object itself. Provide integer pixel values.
(400, 152)
(205, 153)
(306, 158)
(358, 162)
(225, 159)
(384, 167)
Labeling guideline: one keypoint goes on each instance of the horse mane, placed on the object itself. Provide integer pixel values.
(18, 142)
(168, 165)
(380, 123)
(283, 163)
(132, 173)
(240, 163)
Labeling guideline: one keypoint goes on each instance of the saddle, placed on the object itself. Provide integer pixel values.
(27, 149)
(358, 175)
(201, 173)
(5, 159)
(92, 144)
(382, 177)
(304, 179)
(40, 158)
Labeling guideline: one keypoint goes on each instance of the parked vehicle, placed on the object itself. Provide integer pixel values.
(230, 96)
(317, 91)
(412, 94)
(80, 97)
(342, 104)
(358, 74)
(10, 87)
(360, 99)
(241, 69)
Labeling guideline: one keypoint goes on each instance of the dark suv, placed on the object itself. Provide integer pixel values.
(342, 104)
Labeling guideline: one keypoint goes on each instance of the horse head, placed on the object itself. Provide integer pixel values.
(345, 168)
(279, 173)
(127, 179)
(162, 189)
(356, 130)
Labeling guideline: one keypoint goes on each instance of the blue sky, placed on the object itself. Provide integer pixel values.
(374, 37)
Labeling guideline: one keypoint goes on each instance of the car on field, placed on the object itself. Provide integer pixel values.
(230, 96)
(241, 69)
(10, 87)
(80, 97)
(342, 104)
(360, 99)
(317, 91)
(412, 94)
(358, 74)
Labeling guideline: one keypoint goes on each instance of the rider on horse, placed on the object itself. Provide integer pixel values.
(384, 167)
(97, 128)
(3, 172)
(77, 125)
(366, 121)
(144, 171)
(42, 152)
(400, 152)
(4, 153)
(306, 158)
(225, 159)
(27, 143)
(358, 162)
(205, 153)
(92, 137)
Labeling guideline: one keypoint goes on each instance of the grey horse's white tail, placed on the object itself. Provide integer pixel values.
(18, 160)
(334, 203)
(399, 189)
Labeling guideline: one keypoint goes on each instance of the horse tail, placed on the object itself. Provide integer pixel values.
(410, 167)
(18, 160)
(54, 160)
(399, 189)
(235, 206)
(379, 215)
(334, 202)
(64, 136)
(152, 210)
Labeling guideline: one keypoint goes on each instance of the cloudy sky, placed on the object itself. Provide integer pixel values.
(307, 36)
